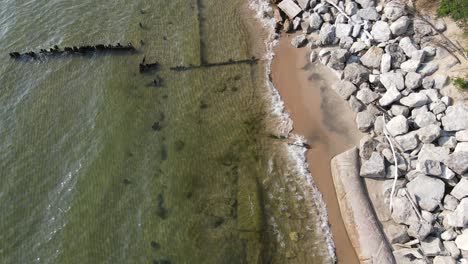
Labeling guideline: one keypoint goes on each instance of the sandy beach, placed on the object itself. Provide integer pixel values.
(323, 119)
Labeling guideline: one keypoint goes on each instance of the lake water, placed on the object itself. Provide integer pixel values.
(99, 166)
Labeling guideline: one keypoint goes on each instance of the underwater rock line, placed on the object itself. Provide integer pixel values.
(80, 50)
(250, 61)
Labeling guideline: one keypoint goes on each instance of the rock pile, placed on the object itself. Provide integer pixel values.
(388, 68)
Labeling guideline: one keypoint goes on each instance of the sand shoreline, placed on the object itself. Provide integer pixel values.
(323, 119)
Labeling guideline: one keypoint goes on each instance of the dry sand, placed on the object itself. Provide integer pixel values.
(324, 119)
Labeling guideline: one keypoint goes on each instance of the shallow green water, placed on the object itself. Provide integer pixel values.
(86, 179)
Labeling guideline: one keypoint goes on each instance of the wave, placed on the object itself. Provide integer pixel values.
(296, 151)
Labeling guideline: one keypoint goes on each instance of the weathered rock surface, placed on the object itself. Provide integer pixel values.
(392, 80)
(381, 31)
(400, 26)
(345, 89)
(460, 190)
(458, 162)
(432, 246)
(367, 96)
(407, 46)
(408, 141)
(459, 217)
(397, 126)
(369, 13)
(462, 240)
(414, 100)
(299, 41)
(394, 10)
(356, 73)
(427, 192)
(327, 34)
(456, 117)
(374, 167)
(462, 135)
(413, 80)
(372, 57)
(429, 133)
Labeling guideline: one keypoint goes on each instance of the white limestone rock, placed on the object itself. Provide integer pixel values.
(429, 133)
(447, 141)
(345, 89)
(456, 117)
(367, 96)
(397, 233)
(372, 57)
(397, 109)
(356, 73)
(460, 190)
(459, 217)
(414, 100)
(407, 46)
(374, 167)
(408, 141)
(461, 147)
(364, 120)
(409, 66)
(432, 246)
(381, 31)
(462, 240)
(425, 119)
(392, 80)
(458, 162)
(315, 21)
(400, 26)
(429, 68)
(343, 30)
(413, 80)
(394, 10)
(397, 126)
(327, 34)
(368, 13)
(290, 8)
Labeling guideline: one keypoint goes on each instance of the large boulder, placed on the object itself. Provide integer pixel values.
(372, 57)
(381, 31)
(327, 34)
(456, 117)
(356, 73)
(458, 162)
(394, 10)
(374, 167)
(400, 26)
(427, 192)
(397, 126)
(415, 100)
(392, 80)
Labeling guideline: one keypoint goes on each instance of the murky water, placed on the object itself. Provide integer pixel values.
(99, 166)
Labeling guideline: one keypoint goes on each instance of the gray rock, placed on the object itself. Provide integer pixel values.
(420, 230)
(367, 96)
(366, 3)
(409, 66)
(444, 260)
(343, 30)
(429, 68)
(355, 105)
(437, 107)
(400, 26)
(432, 246)
(462, 135)
(315, 21)
(462, 241)
(432, 168)
(413, 80)
(296, 23)
(345, 89)
(397, 126)
(431, 152)
(381, 31)
(459, 217)
(372, 57)
(368, 13)
(450, 203)
(374, 167)
(356, 73)
(351, 8)
(446, 100)
(414, 100)
(338, 59)
(290, 8)
(458, 162)
(386, 63)
(357, 47)
(425, 119)
(397, 233)
(428, 82)
(346, 42)
(447, 141)
(392, 80)
(364, 120)
(429, 133)
(327, 17)
(321, 8)
(408, 141)
(430, 51)
(421, 28)
(399, 110)
(427, 192)
(304, 4)
(407, 46)
(394, 10)
(432, 94)
(327, 34)
(397, 54)
(299, 41)
(419, 56)
(419, 110)
(356, 30)
(456, 117)
(408, 256)
(447, 175)
(440, 25)
(403, 212)
(452, 249)
(366, 147)
(461, 147)
(390, 96)
(460, 190)
(313, 56)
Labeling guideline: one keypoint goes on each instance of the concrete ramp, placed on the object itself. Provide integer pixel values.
(361, 224)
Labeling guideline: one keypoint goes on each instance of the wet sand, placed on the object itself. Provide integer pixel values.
(324, 119)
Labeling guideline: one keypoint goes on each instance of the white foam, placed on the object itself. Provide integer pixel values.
(297, 151)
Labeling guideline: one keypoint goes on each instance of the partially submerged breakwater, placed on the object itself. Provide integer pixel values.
(74, 50)
(394, 66)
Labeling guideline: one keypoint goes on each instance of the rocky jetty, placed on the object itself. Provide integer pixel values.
(392, 73)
